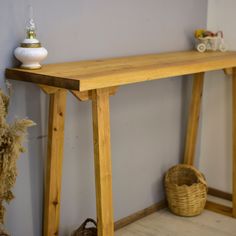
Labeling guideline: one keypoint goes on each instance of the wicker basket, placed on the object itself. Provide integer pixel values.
(186, 190)
(84, 231)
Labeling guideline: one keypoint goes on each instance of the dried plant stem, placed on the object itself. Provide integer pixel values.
(11, 138)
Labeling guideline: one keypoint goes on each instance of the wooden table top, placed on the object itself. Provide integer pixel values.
(94, 74)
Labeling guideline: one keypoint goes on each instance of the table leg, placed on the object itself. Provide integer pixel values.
(193, 120)
(234, 140)
(102, 156)
(57, 108)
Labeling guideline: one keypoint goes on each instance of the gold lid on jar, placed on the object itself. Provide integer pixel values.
(30, 45)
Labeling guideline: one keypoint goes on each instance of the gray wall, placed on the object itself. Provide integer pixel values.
(147, 120)
(216, 132)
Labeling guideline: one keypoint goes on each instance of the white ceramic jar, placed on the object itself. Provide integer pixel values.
(30, 53)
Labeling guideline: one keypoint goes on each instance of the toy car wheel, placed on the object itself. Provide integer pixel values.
(201, 47)
(223, 48)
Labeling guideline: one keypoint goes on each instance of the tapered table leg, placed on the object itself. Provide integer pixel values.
(193, 119)
(57, 108)
(234, 141)
(102, 155)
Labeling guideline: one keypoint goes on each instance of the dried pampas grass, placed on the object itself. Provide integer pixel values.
(11, 137)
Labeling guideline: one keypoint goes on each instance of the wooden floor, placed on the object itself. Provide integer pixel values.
(164, 223)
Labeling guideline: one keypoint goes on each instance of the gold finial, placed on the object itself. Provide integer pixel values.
(31, 34)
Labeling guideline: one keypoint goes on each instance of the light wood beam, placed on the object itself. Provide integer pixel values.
(234, 139)
(87, 95)
(48, 89)
(57, 108)
(102, 157)
(228, 71)
(193, 120)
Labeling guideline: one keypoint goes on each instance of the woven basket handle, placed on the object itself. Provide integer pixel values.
(199, 175)
(89, 220)
(202, 180)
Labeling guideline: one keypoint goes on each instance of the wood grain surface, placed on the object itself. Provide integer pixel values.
(101, 73)
(102, 161)
(193, 119)
(57, 108)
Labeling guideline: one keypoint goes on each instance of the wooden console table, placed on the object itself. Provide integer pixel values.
(97, 80)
